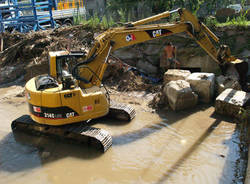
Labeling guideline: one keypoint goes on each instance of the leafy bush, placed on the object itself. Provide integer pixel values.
(240, 20)
(211, 21)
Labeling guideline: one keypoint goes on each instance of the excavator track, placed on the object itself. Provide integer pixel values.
(121, 111)
(77, 132)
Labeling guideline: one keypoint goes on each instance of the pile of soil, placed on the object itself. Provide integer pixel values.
(122, 79)
(27, 55)
(24, 51)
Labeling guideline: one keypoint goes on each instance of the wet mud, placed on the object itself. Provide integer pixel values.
(191, 146)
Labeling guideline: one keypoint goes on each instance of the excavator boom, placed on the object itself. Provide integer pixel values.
(141, 31)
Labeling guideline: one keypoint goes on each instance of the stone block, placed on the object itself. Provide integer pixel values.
(225, 82)
(203, 85)
(175, 74)
(180, 95)
(230, 101)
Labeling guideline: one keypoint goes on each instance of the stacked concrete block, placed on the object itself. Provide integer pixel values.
(175, 74)
(203, 85)
(180, 95)
(225, 82)
(230, 101)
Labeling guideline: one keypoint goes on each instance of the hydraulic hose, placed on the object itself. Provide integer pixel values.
(75, 69)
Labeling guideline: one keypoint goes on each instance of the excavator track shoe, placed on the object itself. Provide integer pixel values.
(121, 111)
(78, 132)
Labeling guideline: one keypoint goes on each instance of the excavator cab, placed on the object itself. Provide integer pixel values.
(58, 59)
(61, 66)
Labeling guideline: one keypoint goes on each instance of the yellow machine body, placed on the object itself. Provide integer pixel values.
(58, 106)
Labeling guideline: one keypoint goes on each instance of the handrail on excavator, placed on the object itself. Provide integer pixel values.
(154, 18)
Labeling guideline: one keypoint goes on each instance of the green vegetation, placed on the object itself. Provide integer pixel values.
(95, 22)
(244, 114)
(130, 10)
(240, 20)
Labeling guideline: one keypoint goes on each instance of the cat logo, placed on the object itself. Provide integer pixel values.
(70, 114)
(156, 33)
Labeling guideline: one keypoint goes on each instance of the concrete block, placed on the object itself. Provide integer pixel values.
(225, 82)
(180, 95)
(230, 101)
(175, 74)
(203, 85)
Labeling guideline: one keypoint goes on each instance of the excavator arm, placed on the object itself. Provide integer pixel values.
(90, 72)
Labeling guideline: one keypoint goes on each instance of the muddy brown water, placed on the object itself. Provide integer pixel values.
(193, 146)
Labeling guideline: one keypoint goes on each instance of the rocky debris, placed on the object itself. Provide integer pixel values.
(230, 102)
(175, 74)
(129, 81)
(10, 73)
(21, 93)
(180, 95)
(159, 100)
(119, 78)
(225, 82)
(203, 85)
(22, 51)
(45, 155)
(12, 92)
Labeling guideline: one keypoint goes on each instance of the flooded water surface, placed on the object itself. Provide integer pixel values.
(194, 146)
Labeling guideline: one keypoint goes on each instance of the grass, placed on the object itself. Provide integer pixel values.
(95, 22)
(240, 20)
(244, 114)
(103, 22)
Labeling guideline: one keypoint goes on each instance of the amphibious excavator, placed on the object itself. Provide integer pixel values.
(61, 105)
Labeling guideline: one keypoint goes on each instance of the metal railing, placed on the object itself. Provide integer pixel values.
(23, 16)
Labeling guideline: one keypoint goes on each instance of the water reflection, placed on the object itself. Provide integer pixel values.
(194, 146)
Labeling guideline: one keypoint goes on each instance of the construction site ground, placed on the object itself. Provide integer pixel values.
(160, 145)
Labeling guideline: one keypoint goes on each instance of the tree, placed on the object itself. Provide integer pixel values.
(127, 10)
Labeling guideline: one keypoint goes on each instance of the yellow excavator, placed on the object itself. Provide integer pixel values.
(61, 103)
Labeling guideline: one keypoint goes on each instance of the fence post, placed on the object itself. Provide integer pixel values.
(50, 14)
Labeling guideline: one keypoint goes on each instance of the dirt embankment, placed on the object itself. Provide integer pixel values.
(27, 54)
